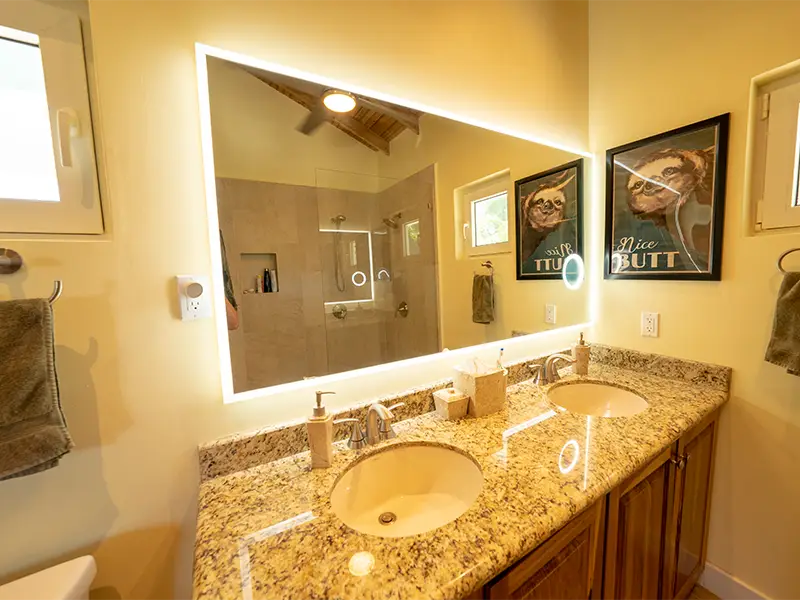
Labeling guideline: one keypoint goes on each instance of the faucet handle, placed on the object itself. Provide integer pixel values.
(357, 438)
(393, 406)
(539, 374)
(385, 429)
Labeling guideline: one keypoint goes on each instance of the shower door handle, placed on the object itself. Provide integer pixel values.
(402, 309)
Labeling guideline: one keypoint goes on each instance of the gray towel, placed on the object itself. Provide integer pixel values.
(482, 299)
(33, 433)
(784, 347)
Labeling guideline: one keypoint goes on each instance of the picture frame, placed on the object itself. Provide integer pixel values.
(549, 220)
(665, 204)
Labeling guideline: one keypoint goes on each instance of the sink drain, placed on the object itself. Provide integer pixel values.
(387, 518)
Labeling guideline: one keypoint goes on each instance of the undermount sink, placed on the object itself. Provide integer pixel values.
(406, 490)
(597, 400)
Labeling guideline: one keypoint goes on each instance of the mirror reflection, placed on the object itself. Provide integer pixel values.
(378, 233)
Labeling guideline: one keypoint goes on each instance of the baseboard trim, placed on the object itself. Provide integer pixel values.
(726, 586)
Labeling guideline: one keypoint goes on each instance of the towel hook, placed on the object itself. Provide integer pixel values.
(784, 255)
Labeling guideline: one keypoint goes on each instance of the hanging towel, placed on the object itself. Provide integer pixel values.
(784, 347)
(482, 299)
(33, 433)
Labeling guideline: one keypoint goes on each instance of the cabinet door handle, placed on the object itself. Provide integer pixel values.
(679, 461)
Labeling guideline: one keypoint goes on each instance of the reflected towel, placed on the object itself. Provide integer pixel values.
(482, 299)
(784, 347)
(33, 433)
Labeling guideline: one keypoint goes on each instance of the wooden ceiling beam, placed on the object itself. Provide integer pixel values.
(346, 123)
(409, 119)
(360, 131)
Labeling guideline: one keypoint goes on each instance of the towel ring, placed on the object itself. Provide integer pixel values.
(784, 255)
(488, 264)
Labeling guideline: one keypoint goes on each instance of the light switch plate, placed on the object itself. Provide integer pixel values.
(194, 296)
(650, 324)
(550, 314)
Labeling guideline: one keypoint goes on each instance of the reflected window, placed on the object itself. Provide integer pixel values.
(490, 220)
(411, 238)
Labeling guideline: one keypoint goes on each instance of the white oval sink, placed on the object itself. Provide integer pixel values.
(597, 400)
(406, 490)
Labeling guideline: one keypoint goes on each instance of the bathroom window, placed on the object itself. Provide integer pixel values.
(490, 220)
(776, 166)
(484, 210)
(411, 238)
(48, 176)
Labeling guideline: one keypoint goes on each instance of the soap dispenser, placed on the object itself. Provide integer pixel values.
(320, 435)
(580, 352)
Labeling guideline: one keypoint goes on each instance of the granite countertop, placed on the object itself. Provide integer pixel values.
(269, 531)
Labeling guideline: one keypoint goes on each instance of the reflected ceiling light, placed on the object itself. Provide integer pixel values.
(575, 453)
(339, 101)
(361, 563)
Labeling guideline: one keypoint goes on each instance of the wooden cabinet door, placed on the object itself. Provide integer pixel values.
(563, 567)
(688, 532)
(635, 543)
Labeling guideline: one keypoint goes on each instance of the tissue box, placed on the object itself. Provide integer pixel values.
(486, 389)
(451, 404)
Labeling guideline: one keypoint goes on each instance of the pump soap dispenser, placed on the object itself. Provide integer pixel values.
(580, 352)
(320, 435)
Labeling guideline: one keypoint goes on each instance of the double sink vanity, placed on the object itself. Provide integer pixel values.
(593, 486)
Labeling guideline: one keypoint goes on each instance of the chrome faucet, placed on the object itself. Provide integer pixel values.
(379, 422)
(547, 373)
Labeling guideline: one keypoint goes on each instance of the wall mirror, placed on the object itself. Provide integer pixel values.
(357, 232)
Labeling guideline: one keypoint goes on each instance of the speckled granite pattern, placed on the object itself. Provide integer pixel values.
(269, 531)
(242, 451)
(678, 369)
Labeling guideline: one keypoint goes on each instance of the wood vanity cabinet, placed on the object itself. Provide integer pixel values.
(565, 566)
(646, 539)
(657, 521)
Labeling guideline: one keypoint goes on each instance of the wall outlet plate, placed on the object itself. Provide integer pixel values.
(650, 324)
(194, 296)
(550, 314)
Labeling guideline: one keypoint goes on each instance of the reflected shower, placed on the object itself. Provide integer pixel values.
(341, 284)
(393, 220)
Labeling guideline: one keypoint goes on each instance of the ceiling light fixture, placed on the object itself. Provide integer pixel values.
(339, 101)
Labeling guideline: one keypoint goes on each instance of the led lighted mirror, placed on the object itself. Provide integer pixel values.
(573, 272)
(356, 239)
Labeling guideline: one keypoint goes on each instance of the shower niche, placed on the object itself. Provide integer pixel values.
(258, 273)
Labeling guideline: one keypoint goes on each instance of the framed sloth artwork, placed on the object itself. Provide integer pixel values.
(665, 204)
(549, 209)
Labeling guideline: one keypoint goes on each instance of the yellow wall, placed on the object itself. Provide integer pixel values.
(463, 154)
(659, 65)
(141, 388)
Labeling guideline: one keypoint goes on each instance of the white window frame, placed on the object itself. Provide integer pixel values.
(78, 210)
(487, 187)
(773, 150)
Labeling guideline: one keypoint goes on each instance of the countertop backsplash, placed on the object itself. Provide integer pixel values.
(244, 450)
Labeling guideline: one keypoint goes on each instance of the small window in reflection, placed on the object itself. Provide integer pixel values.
(490, 220)
(411, 235)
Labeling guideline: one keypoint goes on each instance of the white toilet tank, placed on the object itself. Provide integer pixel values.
(67, 581)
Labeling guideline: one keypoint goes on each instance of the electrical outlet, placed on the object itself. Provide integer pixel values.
(550, 314)
(649, 324)
(195, 297)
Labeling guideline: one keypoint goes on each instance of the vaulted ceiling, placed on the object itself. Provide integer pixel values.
(373, 123)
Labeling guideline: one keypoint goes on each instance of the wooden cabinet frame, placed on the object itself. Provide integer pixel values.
(581, 559)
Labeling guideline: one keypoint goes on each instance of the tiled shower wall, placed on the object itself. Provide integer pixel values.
(293, 334)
